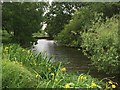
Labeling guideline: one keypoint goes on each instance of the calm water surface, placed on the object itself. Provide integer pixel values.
(74, 59)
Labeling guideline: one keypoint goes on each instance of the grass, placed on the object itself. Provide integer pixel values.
(17, 76)
(6, 37)
(23, 69)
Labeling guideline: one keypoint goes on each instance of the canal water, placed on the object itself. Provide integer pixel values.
(74, 58)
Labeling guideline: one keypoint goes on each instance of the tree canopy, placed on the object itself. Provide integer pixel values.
(59, 14)
(83, 19)
(22, 19)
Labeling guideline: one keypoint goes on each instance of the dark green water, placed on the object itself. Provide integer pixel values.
(75, 60)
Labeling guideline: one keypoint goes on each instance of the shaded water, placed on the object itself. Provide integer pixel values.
(77, 60)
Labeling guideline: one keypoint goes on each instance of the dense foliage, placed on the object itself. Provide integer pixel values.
(59, 14)
(83, 19)
(22, 19)
(23, 69)
(92, 26)
(17, 76)
(101, 44)
(95, 34)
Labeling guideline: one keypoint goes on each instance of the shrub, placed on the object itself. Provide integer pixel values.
(15, 75)
(71, 35)
(101, 44)
(83, 20)
(71, 32)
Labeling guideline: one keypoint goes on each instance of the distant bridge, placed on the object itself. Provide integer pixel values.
(49, 38)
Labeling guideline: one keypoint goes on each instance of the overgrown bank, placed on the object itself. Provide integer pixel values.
(97, 33)
(94, 27)
(23, 69)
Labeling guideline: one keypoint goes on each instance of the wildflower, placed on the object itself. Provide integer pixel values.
(56, 79)
(93, 84)
(110, 82)
(52, 74)
(37, 75)
(113, 86)
(49, 69)
(82, 77)
(63, 69)
(67, 86)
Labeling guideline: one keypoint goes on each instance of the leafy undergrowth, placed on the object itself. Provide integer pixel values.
(17, 76)
(101, 44)
(23, 69)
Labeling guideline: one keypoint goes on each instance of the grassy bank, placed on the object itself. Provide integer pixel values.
(23, 69)
(6, 37)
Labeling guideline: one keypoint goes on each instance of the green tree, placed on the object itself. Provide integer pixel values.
(59, 14)
(83, 19)
(22, 19)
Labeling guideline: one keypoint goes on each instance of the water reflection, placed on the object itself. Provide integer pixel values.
(76, 59)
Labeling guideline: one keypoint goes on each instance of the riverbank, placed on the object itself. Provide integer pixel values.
(74, 59)
(26, 70)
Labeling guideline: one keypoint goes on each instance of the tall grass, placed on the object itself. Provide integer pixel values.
(23, 69)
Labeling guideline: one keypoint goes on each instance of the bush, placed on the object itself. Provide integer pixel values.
(83, 20)
(101, 44)
(15, 75)
(71, 32)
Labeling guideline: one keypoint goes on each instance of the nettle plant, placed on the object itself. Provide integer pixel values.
(101, 45)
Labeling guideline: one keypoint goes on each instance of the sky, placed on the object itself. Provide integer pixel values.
(60, 1)
(50, 2)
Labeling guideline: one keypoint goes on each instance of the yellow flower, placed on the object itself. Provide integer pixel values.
(93, 84)
(82, 77)
(56, 80)
(110, 82)
(63, 69)
(67, 86)
(37, 75)
(52, 74)
(49, 69)
(113, 86)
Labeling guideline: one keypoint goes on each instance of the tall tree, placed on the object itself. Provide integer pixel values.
(83, 19)
(59, 14)
(22, 19)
